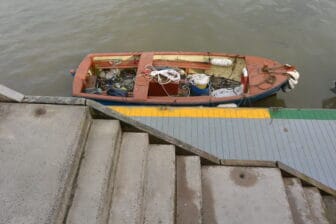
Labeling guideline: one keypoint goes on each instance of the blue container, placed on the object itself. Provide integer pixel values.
(195, 91)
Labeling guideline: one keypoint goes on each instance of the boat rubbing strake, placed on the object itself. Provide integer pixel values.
(180, 78)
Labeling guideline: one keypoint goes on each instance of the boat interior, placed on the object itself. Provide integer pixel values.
(163, 75)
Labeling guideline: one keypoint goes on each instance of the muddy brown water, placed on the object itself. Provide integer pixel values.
(41, 40)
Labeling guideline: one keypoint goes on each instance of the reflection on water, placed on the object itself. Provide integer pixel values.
(273, 100)
(41, 40)
(329, 103)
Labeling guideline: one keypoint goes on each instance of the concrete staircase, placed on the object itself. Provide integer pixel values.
(125, 179)
(59, 165)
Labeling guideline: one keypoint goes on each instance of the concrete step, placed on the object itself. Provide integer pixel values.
(159, 200)
(128, 189)
(7, 94)
(316, 204)
(297, 201)
(330, 203)
(189, 190)
(40, 149)
(244, 195)
(94, 186)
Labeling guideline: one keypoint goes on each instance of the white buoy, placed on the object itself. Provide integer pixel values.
(226, 62)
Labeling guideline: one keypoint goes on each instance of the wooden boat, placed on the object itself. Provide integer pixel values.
(180, 78)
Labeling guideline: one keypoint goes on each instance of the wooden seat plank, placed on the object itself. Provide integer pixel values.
(141, 85)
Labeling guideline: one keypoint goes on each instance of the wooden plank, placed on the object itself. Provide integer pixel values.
(90, 81)
(123, 64)
(248, 163)
(183, 64)
(141, 85)
(54, 100)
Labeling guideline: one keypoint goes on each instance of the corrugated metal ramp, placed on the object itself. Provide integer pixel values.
(303, 139)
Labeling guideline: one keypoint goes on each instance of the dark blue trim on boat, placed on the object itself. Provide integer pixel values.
(239, 102)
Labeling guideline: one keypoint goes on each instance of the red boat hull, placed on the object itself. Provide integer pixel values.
(260, 83)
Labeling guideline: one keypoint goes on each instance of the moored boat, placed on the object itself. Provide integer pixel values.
(180, 78)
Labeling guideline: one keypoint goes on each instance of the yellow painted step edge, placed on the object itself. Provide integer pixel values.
(192, 112)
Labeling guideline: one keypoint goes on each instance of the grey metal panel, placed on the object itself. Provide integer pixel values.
(306, 145)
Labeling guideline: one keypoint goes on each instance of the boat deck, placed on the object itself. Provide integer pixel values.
(302, 138)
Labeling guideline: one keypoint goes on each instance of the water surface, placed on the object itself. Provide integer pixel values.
(40, 40)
